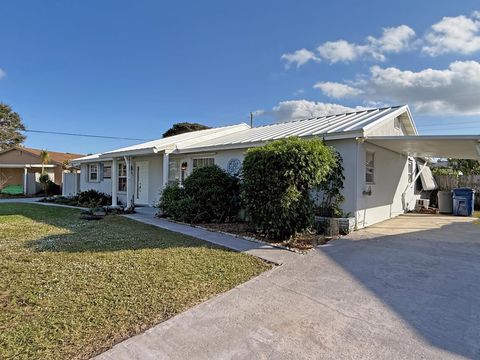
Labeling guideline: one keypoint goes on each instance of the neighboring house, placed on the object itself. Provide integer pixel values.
(382, 152)
(23, 166)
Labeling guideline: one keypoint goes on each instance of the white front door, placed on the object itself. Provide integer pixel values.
(141, 183)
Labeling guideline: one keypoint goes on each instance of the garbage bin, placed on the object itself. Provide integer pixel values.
(445, 202)
(463, 201)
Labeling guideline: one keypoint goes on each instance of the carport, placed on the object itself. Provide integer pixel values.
(426, 146)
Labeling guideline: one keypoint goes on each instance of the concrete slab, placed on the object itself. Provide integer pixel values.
(381, 293)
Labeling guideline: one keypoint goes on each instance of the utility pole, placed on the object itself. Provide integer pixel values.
(251, 119)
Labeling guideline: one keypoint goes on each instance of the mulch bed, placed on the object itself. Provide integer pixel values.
(301, 242)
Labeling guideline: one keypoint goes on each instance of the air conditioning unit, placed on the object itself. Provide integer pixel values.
(422, 204)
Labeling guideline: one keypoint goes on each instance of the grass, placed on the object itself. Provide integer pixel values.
(71, 288)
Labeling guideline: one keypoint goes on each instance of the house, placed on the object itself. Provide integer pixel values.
(382, 152)
(22, 166)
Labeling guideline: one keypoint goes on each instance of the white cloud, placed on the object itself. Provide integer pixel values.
(453, 91)
(460, 34)
(341, 50)
(2, 73)
(299, 58)
(303, 109)
(393, 39)
(337, 90)
(258, 112)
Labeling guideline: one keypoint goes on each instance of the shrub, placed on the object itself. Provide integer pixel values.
(277, 179)
(93, 198)
(209, 194)
(51, 188)
(330, 190)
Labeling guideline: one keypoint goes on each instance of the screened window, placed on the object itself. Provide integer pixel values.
(202, 162)
(173, 171)
(93, 172)
(122, 177)
(107, 172)
(370, 167)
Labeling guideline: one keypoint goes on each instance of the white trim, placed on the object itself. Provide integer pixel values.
(89, 173)
(21, 166)
(114, 182)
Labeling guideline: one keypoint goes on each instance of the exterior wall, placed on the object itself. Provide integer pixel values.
(387, 128)
(155, 179)
(15, 176)
(391, 181)
(16, 156)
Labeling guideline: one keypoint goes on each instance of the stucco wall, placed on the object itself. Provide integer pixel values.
(155, 179)
(16, 156)
(391, 180)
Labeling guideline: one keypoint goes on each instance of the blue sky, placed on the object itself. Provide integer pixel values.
(132, 69)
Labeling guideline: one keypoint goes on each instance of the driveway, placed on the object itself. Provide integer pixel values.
(408, 288)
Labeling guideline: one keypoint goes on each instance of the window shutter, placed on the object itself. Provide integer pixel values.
(100, 170)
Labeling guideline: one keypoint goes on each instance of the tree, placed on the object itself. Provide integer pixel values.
(277, 182)
(11, 128)
(466, 166)
(45, 159)
(184, 127)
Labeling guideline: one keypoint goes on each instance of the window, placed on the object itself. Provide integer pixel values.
(370, 167)
(173, 171)
(396, 123)
(411, 169)
(202, 162)
(93, 172)
(107, 172)
(122, 177)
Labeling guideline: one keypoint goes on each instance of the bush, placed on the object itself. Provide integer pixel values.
(277, 179)
(93, 198)
(330, 195)
(209, 194)
(51, 188)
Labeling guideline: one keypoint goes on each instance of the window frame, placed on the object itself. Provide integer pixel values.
(105, 168)
(370, 168)
(204, 159)
(122, 166)
(96, 172)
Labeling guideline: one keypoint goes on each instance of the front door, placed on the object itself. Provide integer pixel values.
(141, 188)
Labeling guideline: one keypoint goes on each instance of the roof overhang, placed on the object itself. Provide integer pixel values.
(434, 146)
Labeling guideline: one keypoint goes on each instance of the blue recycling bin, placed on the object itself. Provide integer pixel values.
(463, 201)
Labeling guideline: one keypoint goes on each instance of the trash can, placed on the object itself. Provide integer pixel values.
(463, 201)
(445, 202)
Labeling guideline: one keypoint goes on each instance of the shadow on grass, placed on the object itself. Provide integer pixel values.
(429, 278)
(112, 233)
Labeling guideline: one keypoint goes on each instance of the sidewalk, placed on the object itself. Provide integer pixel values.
(267, 252)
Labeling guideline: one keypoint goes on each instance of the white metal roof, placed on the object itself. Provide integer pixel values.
(347, 125)
(332, 126)
(437, 146)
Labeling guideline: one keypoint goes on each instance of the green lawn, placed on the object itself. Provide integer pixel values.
(71, 288)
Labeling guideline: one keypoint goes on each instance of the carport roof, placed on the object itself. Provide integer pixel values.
(437, 146)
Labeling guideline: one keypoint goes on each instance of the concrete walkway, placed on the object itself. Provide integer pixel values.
(407, 295)
(267, 252)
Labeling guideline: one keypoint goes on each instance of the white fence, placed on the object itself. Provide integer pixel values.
(450, 182)
(70, 184)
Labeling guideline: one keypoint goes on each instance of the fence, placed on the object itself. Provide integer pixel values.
(450, 182)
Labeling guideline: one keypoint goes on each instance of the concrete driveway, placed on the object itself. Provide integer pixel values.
(408, 288)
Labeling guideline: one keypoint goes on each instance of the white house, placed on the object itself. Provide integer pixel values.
(382, 152)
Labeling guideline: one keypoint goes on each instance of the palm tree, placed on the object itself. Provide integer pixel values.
(45, 158)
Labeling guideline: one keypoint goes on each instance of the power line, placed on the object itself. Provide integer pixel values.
(84, 135)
